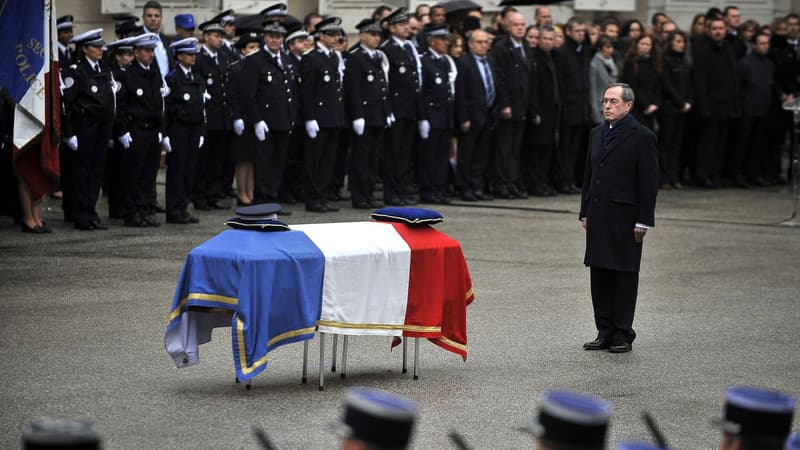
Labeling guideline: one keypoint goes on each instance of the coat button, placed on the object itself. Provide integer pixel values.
(595, 200)
(320, 103)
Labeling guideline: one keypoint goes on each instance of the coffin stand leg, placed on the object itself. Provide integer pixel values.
(416, 357)
(304, 379)
(321, 361)
(335, 342)
(344, 357)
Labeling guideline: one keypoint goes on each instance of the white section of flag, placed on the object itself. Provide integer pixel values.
(367, 267)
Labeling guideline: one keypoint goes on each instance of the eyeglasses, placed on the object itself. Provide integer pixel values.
(481, 41)
(611, 101)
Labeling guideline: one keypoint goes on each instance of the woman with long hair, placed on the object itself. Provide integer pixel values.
(641, 69)
(603, 72)
(677, 93)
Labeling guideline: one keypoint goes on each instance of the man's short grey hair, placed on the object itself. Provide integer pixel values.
(627, 91)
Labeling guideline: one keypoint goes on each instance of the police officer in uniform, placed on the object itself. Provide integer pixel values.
(89, 100)
(185, 129)
(226, 19)
(368, 107)
(65, 35)
(272, 109)
(120, 57)
(323, 112)
(436, 116)
(212, 66)
(291, 189)
(141, 124)
(404, 88)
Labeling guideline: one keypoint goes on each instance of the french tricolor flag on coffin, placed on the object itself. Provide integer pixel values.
(357, 278)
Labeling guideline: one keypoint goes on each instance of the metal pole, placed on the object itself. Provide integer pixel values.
(344, 357)
(416, 357)
(795, 160)
(304, 379)
(321, 360)
(335, 342)
(405, 370)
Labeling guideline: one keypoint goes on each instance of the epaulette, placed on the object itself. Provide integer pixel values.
(308, 51)
(383, 44)
(354, 50)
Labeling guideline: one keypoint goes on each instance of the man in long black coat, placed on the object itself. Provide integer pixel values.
(617, 208)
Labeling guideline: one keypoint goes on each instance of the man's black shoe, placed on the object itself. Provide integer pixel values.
(410, 201)
(98, 225)
(480, 195)
(514, 191)
(316, 207)
(502, 192)
(85, 226)
(284, 212)
(597, 344)
(221, 204)
(468, 196)
(135, 221)
(158, 208)
(428, 198)
(182, 219)
(329, 208)
(151, 221)
(620, 348)
(375, 204)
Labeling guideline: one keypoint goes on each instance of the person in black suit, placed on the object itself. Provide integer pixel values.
(404, 89)
(516, 78)
(677, 102)
(152, 17)
(185, 118)
(542, 136)
(212, 66)
(436, 116)
(291, 189)
(89, 90)
(573, 59)
(323, 112)
(368, 107)
(475, 108)
(64, 25)
(121, 57)
(140, 131)
(618, 203)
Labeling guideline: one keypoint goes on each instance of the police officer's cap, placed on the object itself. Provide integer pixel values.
(399, 15)
(276, 10)
(756, 411)
(261, 211)
(331, 24)
(65, 22)
(186, 46)
(212, 26)
(274, 28)
(185, 21)
(369, 26)
(572, 418)
(378, 417)
(146, 40)
(440, 30)
(637, 445)
(124, 45)
(92, 38)
(253, 22)
(225, 17)
(125, 25)
(296, 31)
(793, 443)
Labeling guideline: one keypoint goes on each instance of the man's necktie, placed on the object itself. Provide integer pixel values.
(97, 68)
(409, 51)
(488, 82)
(522, 52)
(190, 76)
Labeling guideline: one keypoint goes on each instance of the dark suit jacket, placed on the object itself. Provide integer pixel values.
(215, 76)
(619, 190)
(273, 99)
(321, 90)
(403, 81)
(548, 98)
(716, 80)
(516, 77)
(139, 103)
(470, 102)
(184, 104)
(573, 71)
(436, 100)
(365, 87)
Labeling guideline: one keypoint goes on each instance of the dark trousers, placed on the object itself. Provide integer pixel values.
(210, 166)
(319, 157)
(750, 152)
(268, 166)
(292, 180)
(88, 164)
(542, 158)
(114, 180)
(508, 138)
(670, 141)
(711, 149)
(567, 157)
(181, 166)
(65, 155)
(340, 166)
(396, 159)
(614, 302)
(140, 165)
(433, 162)
(363, 167)
(472, 157)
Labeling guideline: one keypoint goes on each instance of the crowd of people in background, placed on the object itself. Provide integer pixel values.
(426, 107)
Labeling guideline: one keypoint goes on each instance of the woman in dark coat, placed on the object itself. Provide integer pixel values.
(677, 102)
(642, 71)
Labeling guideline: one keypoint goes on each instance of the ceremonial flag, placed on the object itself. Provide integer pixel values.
(29, 76)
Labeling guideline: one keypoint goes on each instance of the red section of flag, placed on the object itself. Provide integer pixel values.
(439, 287)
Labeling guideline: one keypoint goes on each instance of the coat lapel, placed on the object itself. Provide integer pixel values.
(625, 131)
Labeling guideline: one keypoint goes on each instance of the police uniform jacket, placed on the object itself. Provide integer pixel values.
(141, 104)
(321, 89)
(234, 91)
(516, 77)
(403, 80)
(619, 190)
(436, 98)
(185, 102)
(365, 87)
(215, 76)
(470, 96)
(273, 100)
(88, 95)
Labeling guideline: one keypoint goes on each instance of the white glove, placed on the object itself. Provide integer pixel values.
(238, 127)
(110, 143)
(202, 141)
(206, 96)
(358, 126)
(166, 144)
(261, 131)
(390, 120)
(116, 86)
(164, 90)
(72, 142)
(424, 129)
(160, 137)
(312, 128)
(125, 140)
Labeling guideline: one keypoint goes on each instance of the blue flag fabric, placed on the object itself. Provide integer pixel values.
(271, 281)
(22, 46)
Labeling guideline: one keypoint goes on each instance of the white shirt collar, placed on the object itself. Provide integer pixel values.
(369, 52)
(401, 42)
(142, 65)
(324, 49)
(186, 70)
(210, 52)
(434, 54)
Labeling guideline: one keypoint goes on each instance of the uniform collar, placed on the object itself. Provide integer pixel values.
(210, 52)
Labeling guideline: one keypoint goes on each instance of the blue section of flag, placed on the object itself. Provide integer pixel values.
(273, 282)
(22, 51)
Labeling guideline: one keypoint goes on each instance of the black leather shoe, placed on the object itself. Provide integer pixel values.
(135, 222)
(158, 208)
(620, 348)
(221, 204)
(316, 207)
(375, 204)
(85, 226)
(482, 196)
(468, 196)
(597, 344)
(428, 198)
(514, 191)
(503, 193)
(151, 221)
(410, 201)
(329, 208)
(182, 219)
(34, 230)
(442, 200)
(98, 225)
